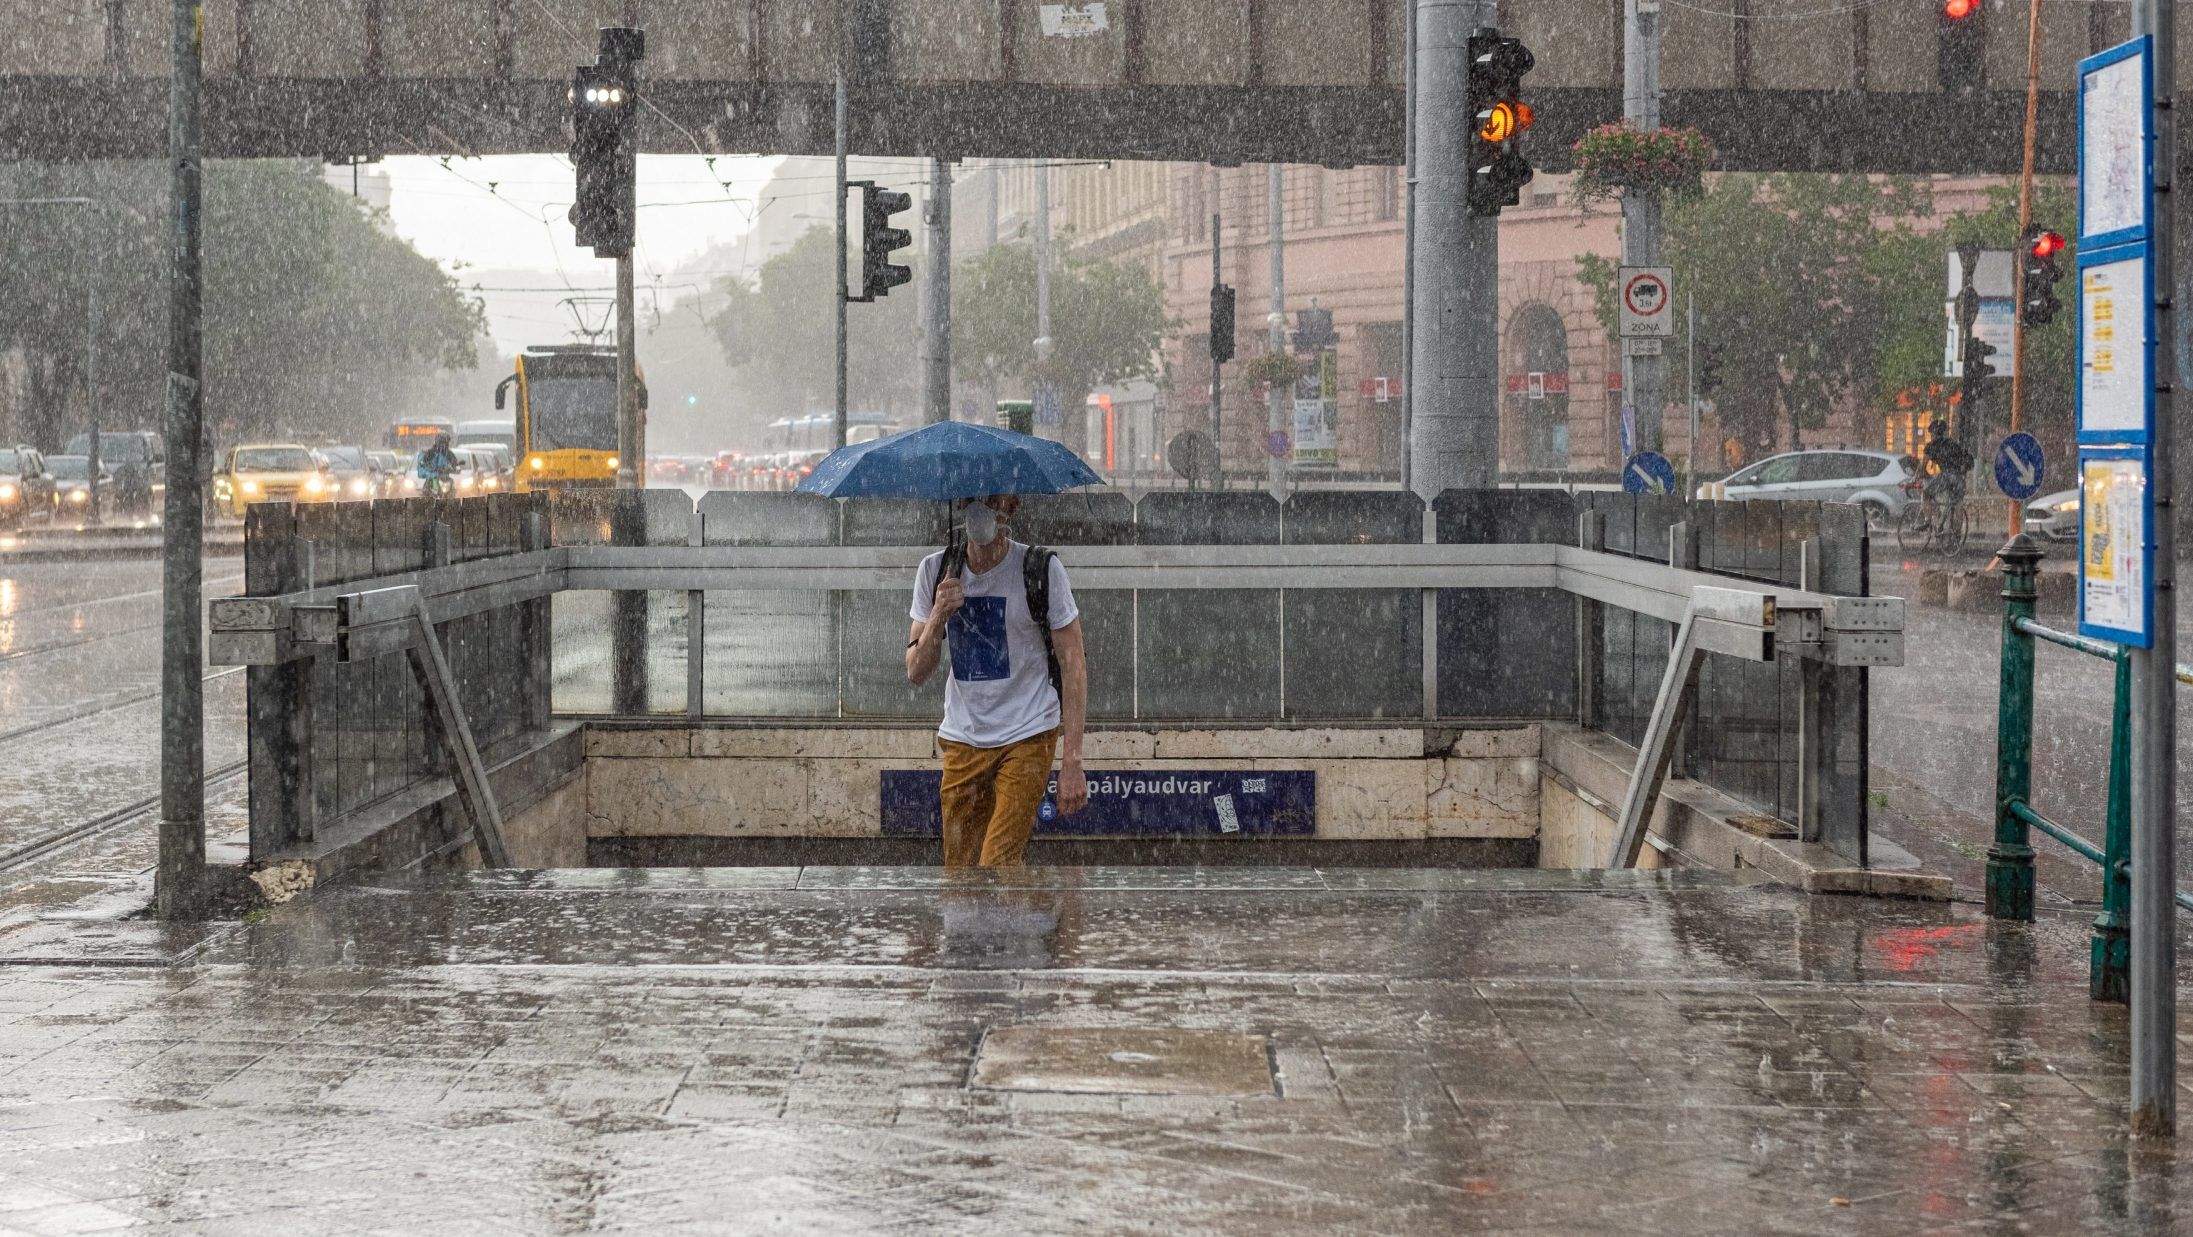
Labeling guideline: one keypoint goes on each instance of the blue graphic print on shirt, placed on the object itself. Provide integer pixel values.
(977, 633)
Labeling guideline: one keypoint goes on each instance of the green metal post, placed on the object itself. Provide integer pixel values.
(2010, 860)
(2109, 975)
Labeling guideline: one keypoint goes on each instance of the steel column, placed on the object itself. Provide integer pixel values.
(2010, 859)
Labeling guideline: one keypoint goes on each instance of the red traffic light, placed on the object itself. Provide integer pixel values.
(2048, 244)
(1958, 10)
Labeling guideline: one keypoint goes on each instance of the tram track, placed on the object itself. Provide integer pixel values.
(52, 723)
(17, 856)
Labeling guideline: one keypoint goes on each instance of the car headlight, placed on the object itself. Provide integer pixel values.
(7, 492)
(411, 485)
(78, 495)
(490, 483)
(464, 483)
(314, 485)
(537, 463)
(613, 462)
(2067, 505)
(359, 487)
(250, 486)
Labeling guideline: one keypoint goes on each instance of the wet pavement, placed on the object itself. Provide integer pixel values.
(802, 1051)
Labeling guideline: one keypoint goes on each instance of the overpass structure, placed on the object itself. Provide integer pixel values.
(1780, 85)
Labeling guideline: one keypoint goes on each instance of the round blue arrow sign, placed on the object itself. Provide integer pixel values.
(2019, 468)
(1648, 472)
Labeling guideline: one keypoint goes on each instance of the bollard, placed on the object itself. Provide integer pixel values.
(2109, 970)
(2010, 859)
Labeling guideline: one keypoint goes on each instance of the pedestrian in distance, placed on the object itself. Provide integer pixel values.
(1017, 694)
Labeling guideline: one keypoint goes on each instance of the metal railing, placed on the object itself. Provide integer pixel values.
(2010, 874)
(1499, 627)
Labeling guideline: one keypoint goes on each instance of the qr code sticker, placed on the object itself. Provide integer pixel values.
(1252, 786)
(1227, 821)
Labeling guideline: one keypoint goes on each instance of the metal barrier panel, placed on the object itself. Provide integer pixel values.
(1506, 653)
(774, 653)
(1353, 653)
(1219, 648)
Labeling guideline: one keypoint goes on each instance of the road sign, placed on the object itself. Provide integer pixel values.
(1648, 302)
(2019, 467)
(1047, 409)
(1648, 472)
(1277, 444)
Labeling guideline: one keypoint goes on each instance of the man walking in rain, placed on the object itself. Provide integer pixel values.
(1018, 692)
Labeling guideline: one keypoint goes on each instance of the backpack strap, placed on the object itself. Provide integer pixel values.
(1036, 581)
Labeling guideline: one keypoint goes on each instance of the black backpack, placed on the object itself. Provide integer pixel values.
(1035, 579)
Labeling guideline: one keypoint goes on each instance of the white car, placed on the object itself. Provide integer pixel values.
(2054, 517)
(1872, 479)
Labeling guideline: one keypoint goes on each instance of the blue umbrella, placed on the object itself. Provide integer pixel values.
(949, 460)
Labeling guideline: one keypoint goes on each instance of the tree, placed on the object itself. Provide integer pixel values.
(1792, 291)
(1107, 321)
(780, 334)
(316, 318)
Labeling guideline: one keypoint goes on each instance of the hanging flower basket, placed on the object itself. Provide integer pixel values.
(1621, 158)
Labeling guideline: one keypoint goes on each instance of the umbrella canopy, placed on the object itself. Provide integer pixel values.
(948, 460)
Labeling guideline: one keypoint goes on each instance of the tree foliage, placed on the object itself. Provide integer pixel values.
(779, 330)
(1822, 290)
(316, 318)
(1107, 322)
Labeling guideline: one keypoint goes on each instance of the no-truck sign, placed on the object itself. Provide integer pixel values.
(1648, 302)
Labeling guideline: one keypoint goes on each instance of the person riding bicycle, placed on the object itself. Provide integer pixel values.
(437, 464)
(1950, 461)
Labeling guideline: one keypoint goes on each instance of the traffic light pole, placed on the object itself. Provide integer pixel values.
(936, 402)
(1218, 372)
(631, 435)
(1454, 320)
(2154, 680)
(1644, 373)
(1275, 423)
(2025, 233)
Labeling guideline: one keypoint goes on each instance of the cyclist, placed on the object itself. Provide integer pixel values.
(436, 464)
(1949, 461)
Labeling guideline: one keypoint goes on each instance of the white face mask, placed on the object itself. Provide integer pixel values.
(982, 524)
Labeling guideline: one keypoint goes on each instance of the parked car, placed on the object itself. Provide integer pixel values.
(270, 472)
(72, 484)
(2054, 516)
(26, 490)
(1872, 479)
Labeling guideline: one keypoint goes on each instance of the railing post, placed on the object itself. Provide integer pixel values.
(2109, 974)
(2010, 859)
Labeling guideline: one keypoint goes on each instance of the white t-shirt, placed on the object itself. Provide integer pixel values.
(1000, 688)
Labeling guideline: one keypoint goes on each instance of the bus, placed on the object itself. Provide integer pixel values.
(565, 416)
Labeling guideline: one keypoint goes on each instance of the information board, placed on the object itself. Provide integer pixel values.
(2116, 547)
(2116, 355)
(1133, 803)
(2116, 130)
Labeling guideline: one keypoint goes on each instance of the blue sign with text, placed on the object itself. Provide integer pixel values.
(2019, 468)
(1133, 803)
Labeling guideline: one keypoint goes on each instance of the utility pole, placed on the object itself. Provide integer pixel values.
(1690, 380)
(2025, 224)
(1454, 319)
(1275, 422)
(631, 434)
(839, 422)
(1644, 364)
(91, 385)
(2154, 679)
(179, 879)
(936, 358)
(1043, 342)
(1408, 250)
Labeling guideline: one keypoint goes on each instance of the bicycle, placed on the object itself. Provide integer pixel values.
(1929, 524)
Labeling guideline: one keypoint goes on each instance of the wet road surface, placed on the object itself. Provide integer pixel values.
(799, 1051)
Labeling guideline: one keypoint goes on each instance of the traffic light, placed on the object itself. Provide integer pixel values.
(1709, 368)
(1960, 51)
(1498, 119)
(2037, 303)
(604, 98)
(878, 239)
(1976, 364)
(1222, 323)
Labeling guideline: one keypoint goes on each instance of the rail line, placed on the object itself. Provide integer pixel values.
(7, 736)
(18, 856)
